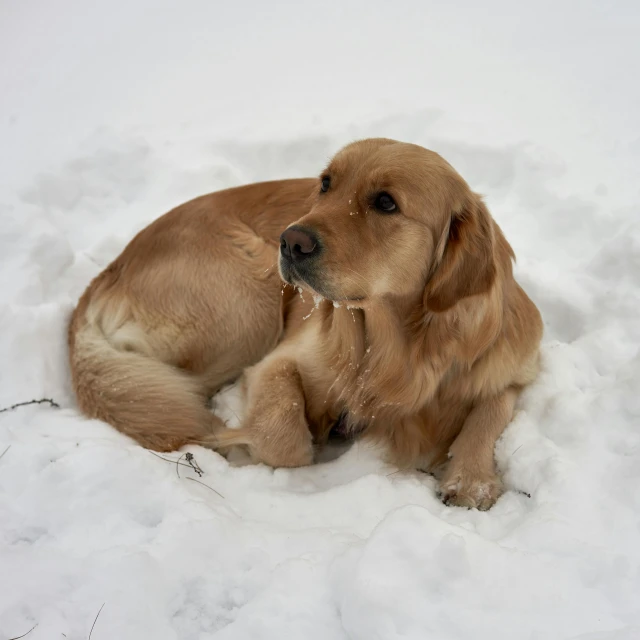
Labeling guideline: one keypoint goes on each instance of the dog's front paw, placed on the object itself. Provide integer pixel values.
(291, 448)
(469, 490)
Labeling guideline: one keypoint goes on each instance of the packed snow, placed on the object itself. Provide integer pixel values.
(114, 112)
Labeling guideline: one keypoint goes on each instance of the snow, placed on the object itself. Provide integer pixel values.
(112, 113)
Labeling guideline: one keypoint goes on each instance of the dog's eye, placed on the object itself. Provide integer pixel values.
(384, 202)
(326, 183)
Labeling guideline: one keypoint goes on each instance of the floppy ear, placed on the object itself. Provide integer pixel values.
(467, 267)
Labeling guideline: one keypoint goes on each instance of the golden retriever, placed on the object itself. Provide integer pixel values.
(400, 316)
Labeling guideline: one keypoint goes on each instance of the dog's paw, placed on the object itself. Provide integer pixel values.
(294, 450)
(467, 490)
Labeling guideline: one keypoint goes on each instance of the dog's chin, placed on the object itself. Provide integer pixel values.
(317, 288)
(288, 273)
(314, 288)
(305, 281)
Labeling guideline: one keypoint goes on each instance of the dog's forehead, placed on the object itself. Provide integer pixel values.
(385, 160)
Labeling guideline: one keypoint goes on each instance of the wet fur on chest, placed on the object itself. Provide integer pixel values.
(403, 378)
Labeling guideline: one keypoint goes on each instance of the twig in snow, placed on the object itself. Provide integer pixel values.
(5, 451)
(206, 485)
(193, 464)
(178, 464)
(25, 634)
(182, 464)
(96, 620)
(24, 404)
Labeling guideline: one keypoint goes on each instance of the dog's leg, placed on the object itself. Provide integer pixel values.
(470, 478)
(275, 429)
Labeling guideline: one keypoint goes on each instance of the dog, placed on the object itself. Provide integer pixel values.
(380, 294)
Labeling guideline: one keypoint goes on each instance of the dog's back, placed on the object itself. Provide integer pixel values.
(192, 300)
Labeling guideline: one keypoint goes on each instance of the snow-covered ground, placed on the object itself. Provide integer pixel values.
(113, 112)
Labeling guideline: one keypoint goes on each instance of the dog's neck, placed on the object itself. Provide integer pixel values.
(388, 358)
(379, 354)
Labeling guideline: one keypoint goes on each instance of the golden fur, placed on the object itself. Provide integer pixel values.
(408, 323)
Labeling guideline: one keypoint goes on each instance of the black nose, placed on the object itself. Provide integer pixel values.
(298, 243)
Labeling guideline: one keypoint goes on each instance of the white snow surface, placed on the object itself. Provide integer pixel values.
(113, 112)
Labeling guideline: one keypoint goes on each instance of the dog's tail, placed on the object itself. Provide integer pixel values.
(160, 406)
(227, 438)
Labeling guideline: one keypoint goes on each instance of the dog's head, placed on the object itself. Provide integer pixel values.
(390, 219)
